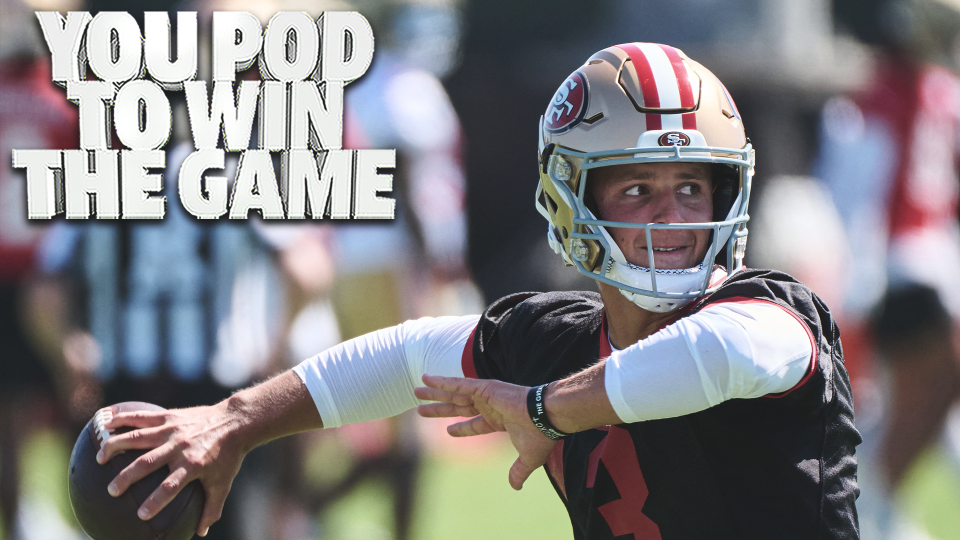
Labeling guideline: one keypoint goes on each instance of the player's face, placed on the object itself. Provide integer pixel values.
(657, 193)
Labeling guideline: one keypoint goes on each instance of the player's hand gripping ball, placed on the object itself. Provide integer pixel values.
(115, 518)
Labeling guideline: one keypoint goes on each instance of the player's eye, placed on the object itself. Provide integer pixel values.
(690, 189)
(635, 190)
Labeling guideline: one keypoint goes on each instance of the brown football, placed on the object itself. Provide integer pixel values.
(115, 518)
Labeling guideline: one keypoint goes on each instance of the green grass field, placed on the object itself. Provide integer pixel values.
(469, 498)
(931, 495)
(458, 498)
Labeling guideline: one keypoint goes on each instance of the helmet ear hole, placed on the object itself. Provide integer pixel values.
(545, 157)
(551, 205)
(725, 188)
(547, 202)
(556, 235)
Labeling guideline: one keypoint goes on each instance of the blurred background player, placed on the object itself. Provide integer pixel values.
(385, 272)
(413, 266)
(32, 116)
(175, 311)
(890, 155)
(179, 311)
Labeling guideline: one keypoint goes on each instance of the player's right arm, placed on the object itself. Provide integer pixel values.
(366, 378)
(373, 376)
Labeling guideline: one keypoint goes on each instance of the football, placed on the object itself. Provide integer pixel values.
(115, 518)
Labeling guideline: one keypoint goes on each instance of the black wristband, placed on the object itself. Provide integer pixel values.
(538, 413)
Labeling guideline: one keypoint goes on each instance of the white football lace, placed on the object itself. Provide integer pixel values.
(99, 425)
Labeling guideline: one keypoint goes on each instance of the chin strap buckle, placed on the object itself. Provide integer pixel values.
(740, 248)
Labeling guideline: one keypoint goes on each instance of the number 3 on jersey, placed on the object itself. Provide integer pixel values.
(619, 457)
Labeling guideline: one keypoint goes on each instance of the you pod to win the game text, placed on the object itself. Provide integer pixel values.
(298, 108)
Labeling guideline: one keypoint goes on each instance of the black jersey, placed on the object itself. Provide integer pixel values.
(777, 467)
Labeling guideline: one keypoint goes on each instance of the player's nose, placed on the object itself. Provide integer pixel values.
(666, 207)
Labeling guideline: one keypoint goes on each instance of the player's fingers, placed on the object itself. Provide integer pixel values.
(164, 493)
(452, 384)
(446, 410)
(477, 425)
(141, 467)
(433, 394)
(135, 419)
(212, 509)
(519, 472)
(133, 440)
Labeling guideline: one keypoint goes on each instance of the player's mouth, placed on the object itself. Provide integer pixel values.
(667, 257)
(670, 249)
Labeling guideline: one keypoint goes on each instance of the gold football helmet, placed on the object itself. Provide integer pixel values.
(637, 103)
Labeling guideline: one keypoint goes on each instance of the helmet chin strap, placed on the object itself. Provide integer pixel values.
(687, 281)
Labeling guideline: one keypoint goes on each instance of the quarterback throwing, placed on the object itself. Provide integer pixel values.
(690, 398)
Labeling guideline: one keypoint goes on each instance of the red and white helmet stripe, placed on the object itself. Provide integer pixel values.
(667, 83)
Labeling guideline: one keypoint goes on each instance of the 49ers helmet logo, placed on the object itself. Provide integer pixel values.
(674, 138)
(568, 105)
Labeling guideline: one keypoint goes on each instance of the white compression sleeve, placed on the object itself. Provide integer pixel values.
(373, 376)
(728, 350)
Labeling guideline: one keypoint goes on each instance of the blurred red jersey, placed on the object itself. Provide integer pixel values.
(921, 103)
(34, 114)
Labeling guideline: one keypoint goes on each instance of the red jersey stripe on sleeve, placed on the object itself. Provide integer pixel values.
(466, 361)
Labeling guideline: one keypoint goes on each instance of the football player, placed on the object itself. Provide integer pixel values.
(706, 400)
(33, 114)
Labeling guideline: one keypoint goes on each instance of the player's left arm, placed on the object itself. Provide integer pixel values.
(726, 351)
(730, 350)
